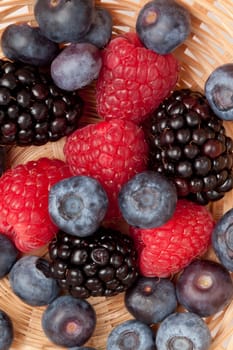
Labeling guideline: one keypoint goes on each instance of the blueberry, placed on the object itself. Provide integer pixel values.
(163, 25)
(148, 200)
(22, 42)
(100, 31)
(131, 334)
(8, 255)
(30, 284)
(219, 91)
(77, 205)
(82, 348)
(64, 21)
(222, 239)
(69, 321)
(204, 287)
(150, 300)
(6, 331)
(183, 330)
(76, 66)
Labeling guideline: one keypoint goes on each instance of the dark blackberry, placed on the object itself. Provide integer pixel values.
(103, 264)
(188, 143)
(34, 110)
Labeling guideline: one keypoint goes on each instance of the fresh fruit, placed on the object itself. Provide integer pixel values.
(167, 249)
(222, 239)
(69, 321)
(77, 205)
(25, 43)
(151, 299)
(147, 200)
(3, 159)
(219, 91)
(131, 334)
(104, 263)
(204, 287)
(133, 80)
(100, 31)
(8, 255)
(183, 330)
(188, 143)
(163, 25)
(64, 21)
(24, 202)
(30, 284)
(109, 151)
(6, 331)
(33, 109)
(76, 66)
(81, 348)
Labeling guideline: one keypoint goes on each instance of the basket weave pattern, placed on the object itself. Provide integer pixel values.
(209, 45)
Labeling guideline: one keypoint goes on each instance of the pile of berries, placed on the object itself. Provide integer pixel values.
(154, 160)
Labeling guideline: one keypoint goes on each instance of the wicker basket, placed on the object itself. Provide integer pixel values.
(209, 45)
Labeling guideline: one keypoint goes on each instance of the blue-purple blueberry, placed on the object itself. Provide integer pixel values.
(76, 66)
(131, 334)
(151, 299)
(69, 321)
(6, 331)
(163, 25)
(77, 205)
(30, 283)
(219, 91)
(183, 330)
(25, 43)
(147, 200)
(8, 255)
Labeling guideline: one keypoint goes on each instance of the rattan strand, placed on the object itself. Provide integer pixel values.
(209, 45)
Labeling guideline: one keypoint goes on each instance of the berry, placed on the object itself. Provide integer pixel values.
(150, 299)
(131, 334)
(22, 42)
(103, 264)
(3, 159)
(147, 200)
(6, 331)
(64, 21)
(24, 202)
(163, 25)
(68, 321)
(33, 109)
(76, 66)
(133, 80)
(188, 143)
(222, 239)
(169, 248)
(204, 287)
(219, 91)
(109, 151)
(81, 348)
(8, 255)
(183, 330)
(100, 31)
(30, 284)
(77, 205)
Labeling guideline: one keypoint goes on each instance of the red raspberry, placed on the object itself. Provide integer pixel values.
(169, 248)
(24, 202)
(111, 152)
(133, 80)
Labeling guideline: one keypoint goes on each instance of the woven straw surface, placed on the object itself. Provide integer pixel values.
(209, 45)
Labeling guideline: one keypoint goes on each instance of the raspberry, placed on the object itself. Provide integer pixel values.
(24, 202)
(133, 80)
(169, 248)
(109, 151)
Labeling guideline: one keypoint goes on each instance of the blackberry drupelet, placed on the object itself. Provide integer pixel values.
(189, 144)
(33, 110)
(103, 264)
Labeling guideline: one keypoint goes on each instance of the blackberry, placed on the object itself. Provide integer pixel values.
(188, 143)
(33, 110)
(103, 264)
